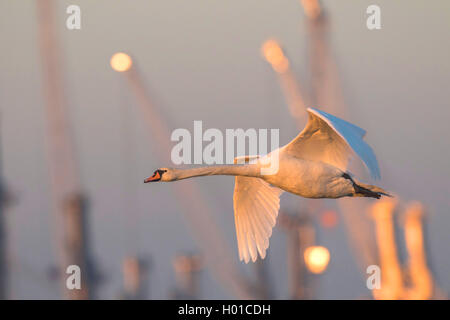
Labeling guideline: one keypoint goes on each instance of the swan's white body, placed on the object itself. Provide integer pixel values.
(312, 179)
(312, 166)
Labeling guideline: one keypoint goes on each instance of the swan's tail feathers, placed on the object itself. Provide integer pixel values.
(367, 190)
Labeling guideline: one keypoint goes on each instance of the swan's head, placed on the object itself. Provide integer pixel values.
(162, 174)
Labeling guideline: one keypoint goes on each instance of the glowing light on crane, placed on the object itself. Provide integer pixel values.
(317, 259)
(273, 53)
(121, 62)
(311, 8)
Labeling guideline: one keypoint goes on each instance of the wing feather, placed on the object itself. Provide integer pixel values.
(332, 140)
(256, 205)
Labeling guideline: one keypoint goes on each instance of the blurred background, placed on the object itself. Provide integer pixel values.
(78, 138)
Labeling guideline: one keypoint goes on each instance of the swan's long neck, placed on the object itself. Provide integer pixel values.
(249, 170)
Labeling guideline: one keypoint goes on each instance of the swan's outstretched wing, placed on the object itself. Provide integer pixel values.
(331, 140)
(256, 205)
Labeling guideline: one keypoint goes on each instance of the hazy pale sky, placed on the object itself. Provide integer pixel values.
(201, 61)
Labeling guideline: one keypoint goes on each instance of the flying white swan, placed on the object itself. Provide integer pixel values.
(313, 165)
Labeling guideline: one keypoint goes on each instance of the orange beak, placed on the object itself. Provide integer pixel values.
(155, 177)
